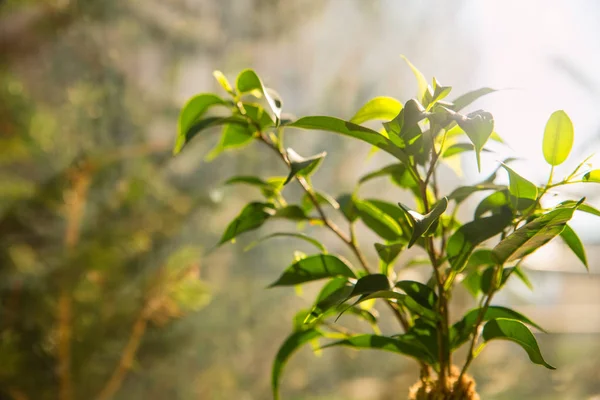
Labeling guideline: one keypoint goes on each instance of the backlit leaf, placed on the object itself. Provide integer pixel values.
(421, 80)
(223, 81)
(248, 81)
(233, 136)
(422, 223)
(533, 235)
(191, 113)
(250, 218)
(297, 235)
(592, 176)
(523, 193)
(383, 108)
(478, 126)
(558, 138)
(466, 99)
(378, 221)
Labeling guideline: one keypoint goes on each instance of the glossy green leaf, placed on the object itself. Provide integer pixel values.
(466, 99)
(250, 218)
(558, 138)
(248, 81)
(322, 199)
(424, 335)
(421, 80)
(495, 203)
(346, 202)
(191, 113)
(383, 108)
(589, 209)
(461, 193)
(592, 176)
(487, 278)
(370, 283)
(302, 166)
(388, 252)
(297, 235)
(462, 330)
(291, 344)
(517, 332)
(533, 235)
(569, 236)
(523, 193)
(313, 268)
(478, 126)
(291, 212)
(258, 115)
(232, 137)
(395, 345)
(223, 81)
(464, 241)
(333, 294)
(336, 125)
(378, 221)
(422, 294)
(422, 223)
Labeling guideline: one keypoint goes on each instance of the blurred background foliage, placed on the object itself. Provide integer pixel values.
(108, 285)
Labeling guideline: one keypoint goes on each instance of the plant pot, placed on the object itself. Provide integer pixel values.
(429, 389)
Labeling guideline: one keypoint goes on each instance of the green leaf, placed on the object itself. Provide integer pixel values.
(481, 257)
(422, 223)
(461, 193)
(388, 252)
(478, 126)
(588, 209)
(472, 282)
(291, 344)
(425, 336)
(439, 92)
(298, 235)
(333, 294)
(292, 212)
(313, 268)
(422, 294)
(378, 221)
(191, 113)
(248, 81)
(462, 243)
(223, 82)
(468, 98)
(248, 180)
(517, 332)
(302, 166)
(322, 198)
(463, 329)
(384, 108)
(495, 202)
(370, 283)
(233, 136)
(258, 115)
(395, 345)
(572, 240)
(250, 218)
(523, 193)
(533, 235)
(345, 128)
(457, 148)
(558, 138)
(421, 80)
(346, 202)
(592, 176)
(488, 276)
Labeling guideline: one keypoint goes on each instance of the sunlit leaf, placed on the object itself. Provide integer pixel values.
(346, 128)
(461, 193)
(558, 138)
(291, 344)
(302, 166)
(478, 126)
(378, 221)
(322, 198)
(370, 283)
(346, 202)
(533, 235)
(233, 136)
(419, 292)
(223, 81)
(250, 218)
(248, 81)
(422, 223)
(191, 113)
(383, 108)
(495, 202)
(569, 236)
(523, 193)
(592, 176)
(388, 252)
(517, 332)
(462, 330)
(313, 268)
(421, 80)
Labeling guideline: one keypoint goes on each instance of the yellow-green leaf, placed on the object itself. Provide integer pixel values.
(558, 138)
(384, 108)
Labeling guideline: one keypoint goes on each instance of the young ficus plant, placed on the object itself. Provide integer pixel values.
(510, 223)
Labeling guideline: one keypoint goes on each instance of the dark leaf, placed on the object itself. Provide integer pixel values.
(558, 138)
(302, 166)
(422, 223)
(251, 217)
(388, 252)
(496, 202)
(517, 332)
(313, 268)
(572, 240)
